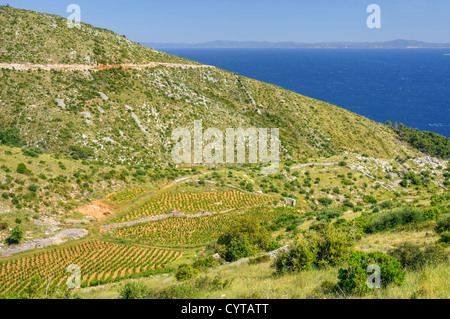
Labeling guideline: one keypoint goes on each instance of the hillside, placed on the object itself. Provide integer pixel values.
(126, 116)
(32, 37)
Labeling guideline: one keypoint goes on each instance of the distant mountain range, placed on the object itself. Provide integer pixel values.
(395, 44)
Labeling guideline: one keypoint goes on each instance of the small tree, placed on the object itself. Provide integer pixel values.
(16, 235)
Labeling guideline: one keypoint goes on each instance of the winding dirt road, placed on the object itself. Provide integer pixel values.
(85, 67)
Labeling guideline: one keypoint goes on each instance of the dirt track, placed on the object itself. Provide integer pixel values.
(83, 67)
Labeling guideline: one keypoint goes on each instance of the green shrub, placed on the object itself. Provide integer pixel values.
(22, 169)
(204, 263)
(298, 257)
(443, 224)
(243, 238)
(273, 245)
(133, 290)
(354, 279)
(16, 235)
(330, 245)
(445, 238)
(398, 217)
(369, 199)
(325, 201)
(81, 152)
(432, 213)
(412, 257)
(186, 272)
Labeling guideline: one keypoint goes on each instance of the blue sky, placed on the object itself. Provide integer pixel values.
(194, 21)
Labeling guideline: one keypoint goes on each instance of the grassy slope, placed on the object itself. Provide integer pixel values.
(32, 37)
(162, 99)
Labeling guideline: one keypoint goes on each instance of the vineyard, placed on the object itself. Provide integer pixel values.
(100, 262)
(192, 203)
(189, 231)
(125, 196)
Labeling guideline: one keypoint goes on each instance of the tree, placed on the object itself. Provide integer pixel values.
(16, 235)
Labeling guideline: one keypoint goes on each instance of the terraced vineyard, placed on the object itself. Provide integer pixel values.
(189, 231)
(100, 262)
(125, 196)
(192, 203)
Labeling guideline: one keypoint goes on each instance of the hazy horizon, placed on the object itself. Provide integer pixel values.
(200, 21)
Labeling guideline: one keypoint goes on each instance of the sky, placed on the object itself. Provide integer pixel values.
(197, 21)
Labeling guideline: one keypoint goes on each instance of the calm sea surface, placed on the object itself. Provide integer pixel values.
(409, 86)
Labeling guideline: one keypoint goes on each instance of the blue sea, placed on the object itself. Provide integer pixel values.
(409, 86)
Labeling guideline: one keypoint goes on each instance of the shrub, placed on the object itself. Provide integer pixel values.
(298, 257)
(369, 199)
(329, 214)
(331, 246)
(243, 238)
(443, 224)
(398, 217)
(3, 225)
(16, 235)
(325, 201)
(445, 238)
(185, 272)
(81, 152)
(432, 213)
(204, 263)
(33, 188)
(133, 290)
(354, 279)
(273, 245)
(22, 169)
(412, 257)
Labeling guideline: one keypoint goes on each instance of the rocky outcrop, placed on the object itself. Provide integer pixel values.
(58, 239)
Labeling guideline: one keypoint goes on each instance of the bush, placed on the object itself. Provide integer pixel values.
(445, 238)
(443, 224)
(185, 272)
(204, 263)
(412, 257)
(132, 290)
(298, 257)
(369, 199)
(273, 245)
(328, 246)
(331, 246)
(3, 225)
(398, 217)
(22, 169)
(81, 152)
(243, 238)
(325, 201)
(329, 214)
(432, 213)
(16, 235)
(354, 279)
